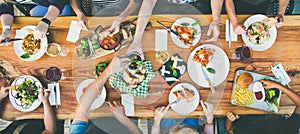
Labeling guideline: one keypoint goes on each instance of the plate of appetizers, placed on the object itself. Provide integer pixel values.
(186, 96)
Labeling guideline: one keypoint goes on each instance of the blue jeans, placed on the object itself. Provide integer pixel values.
(167, 124)
(78, 127)
(39, 11)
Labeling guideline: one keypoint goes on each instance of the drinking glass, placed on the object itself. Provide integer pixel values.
(244, 54)
(53, 74)
(64, 51)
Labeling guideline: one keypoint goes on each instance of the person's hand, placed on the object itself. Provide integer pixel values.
(232, 117)
(44, 94)
(160, 112)
(136, 46)
(6, 34)
(117, 109)
(83, 22)
(280, 20)
(115, 27)
(41, 30)
(239, 29)
(208, 110)
(3, 93)
(119, 63)
(270, 84)
(213, 32)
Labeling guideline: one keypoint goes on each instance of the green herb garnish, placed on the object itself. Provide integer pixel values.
(185, 24)
(196, 23)
(174, 72)
(25, 56)
(211, 70)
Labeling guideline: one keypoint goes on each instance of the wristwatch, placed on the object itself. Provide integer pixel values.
(7, 27)
(47, 21)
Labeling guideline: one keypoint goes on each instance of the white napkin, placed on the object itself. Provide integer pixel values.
(128, 103)
(52, 94)
(74, 32)
(161, 40)
(280, 73)
(233, 35)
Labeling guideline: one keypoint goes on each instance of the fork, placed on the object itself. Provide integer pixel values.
(176, 101)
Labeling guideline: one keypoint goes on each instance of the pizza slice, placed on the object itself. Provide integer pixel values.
(204, 56)
(185, 34)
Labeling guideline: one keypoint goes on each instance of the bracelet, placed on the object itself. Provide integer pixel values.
(209, 123)
(45, 20)
(7, 27)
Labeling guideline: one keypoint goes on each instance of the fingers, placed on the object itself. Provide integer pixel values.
(209, 32)
(113, 104)
(231, 116)
(203, 105)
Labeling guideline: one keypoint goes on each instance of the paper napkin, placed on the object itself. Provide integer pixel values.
(128, 103)
(161, 40)
(52, 93)
(233, 35)
(74, 32)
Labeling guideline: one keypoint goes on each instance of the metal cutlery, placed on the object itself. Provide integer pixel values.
(176, 101)
(229, 34)
(15, 87)
(10, 40)
(211, 86)
(55, 94)
(169, 29)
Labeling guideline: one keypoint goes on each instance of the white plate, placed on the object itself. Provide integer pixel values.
(18, 44)
(176, 39)
(18, 103)
(267, 44)
(183, 107)
(220, 63)
(98, 101)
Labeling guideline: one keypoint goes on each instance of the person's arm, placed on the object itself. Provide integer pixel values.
(119, 113)
(282, 7)
(6, 20)
(231, 117)
(49, 117)
(238, 28)
(95, 88)
(132, 6)
(142, 21)
(209, 114)
(7, 16)
(82, 20)
(42, 27)
(295, 97)
(3, 93)
(214, 28)
(159, 114)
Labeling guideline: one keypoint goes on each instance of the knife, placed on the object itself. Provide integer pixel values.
(170, 30)
(10, 40)
(54, 88)
(229, 34)
(211, 86)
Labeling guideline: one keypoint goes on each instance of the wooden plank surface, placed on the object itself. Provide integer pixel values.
(285, 50)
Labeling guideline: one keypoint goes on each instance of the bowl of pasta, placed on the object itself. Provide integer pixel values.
(29, 49)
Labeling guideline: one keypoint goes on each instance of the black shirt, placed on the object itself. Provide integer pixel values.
(270, 124)
(7, 8)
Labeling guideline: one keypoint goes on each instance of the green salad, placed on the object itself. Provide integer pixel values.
(27, 93)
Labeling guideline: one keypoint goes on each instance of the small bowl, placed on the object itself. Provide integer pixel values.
(53, 49)
(259, 91)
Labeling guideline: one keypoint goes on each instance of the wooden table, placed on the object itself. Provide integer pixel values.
(285, 51)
